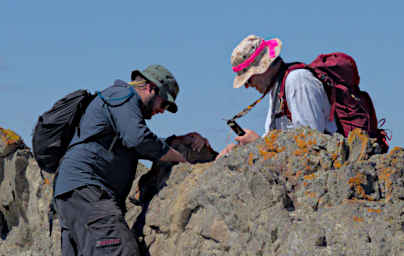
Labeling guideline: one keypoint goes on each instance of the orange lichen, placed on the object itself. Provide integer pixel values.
(334, 156)
(310, 194)
(300, 152)
(394, 150)
(375, 210)
(8, 136)
(298, 173)
(357, 219)
(358, 134)
(267, 155)
(356, 182)
(385, 176)
(281, 149)
(312, 142)
(270, 148)
(46, 181)
(270, 140)
(301, 143)
(250, 158)
(305, 184)
(337, 164)
(309, 177)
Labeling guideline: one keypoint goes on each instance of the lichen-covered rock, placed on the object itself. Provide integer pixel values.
(9, 142)
(24, 204)
(295, 192)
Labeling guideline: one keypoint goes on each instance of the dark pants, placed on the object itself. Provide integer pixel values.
(93, 224)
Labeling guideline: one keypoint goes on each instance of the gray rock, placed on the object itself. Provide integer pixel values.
(296, 192)
(293, 193)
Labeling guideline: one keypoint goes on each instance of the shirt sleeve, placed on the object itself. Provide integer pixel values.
(307, 100)
(269, 116)
(134, 132)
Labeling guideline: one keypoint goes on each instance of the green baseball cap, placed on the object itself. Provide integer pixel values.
(164, 80)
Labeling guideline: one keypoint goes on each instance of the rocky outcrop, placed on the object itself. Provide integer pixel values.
(295, 192)
(24, 202)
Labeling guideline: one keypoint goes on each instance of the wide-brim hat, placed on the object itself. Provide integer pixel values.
(245, 49)
(164, 80)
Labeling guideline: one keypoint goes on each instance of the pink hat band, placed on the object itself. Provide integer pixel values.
(271, 44)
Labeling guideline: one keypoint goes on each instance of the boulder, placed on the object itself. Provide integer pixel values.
(297, 192)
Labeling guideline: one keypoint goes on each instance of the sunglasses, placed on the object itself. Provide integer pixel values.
(165, 105)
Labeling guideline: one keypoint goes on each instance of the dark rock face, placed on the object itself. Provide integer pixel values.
(296, 192)
(3, 227)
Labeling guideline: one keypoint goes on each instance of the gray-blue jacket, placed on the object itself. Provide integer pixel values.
(92, 162)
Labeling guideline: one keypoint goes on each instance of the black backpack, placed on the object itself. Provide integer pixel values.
(55, 129)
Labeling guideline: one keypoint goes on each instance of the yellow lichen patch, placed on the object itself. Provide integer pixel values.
(8, 136)
(356, 183)
(358, 134)
(357, 219)
(337, 164)
(357, 180)
(301, 143)
(270, 148)
(312, 142)
(394, 150)
(267, 155)
(250, 158)
(310, 194)
(46, 181)
(300, 151)
(270, 140)
(281, 149)
(374, 210)
(385, 176)
(310, 176)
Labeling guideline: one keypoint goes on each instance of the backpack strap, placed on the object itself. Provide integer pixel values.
(282, 96)
(108, 104)
(320, 75)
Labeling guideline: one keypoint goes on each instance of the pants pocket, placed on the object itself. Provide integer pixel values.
(110, 235)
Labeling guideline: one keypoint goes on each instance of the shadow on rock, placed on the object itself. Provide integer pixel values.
(154, 180)
(3, 227)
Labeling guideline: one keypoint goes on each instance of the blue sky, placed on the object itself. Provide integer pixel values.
(50, 48)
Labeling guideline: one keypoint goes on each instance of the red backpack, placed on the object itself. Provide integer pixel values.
(350, 107)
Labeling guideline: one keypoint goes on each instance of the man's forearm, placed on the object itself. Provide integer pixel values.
(173, 156)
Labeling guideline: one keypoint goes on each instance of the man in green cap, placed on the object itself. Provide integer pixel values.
(97, 172)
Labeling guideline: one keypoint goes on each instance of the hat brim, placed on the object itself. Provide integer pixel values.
(257, 68)
(172, 107)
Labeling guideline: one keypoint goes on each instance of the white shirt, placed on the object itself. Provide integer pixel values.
(307, 102)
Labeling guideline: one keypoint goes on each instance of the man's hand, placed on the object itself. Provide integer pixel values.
(248, 137)
(173, 156)
(226, 150)
(195, 139)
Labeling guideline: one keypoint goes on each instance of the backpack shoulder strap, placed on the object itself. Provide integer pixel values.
(282, 96)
